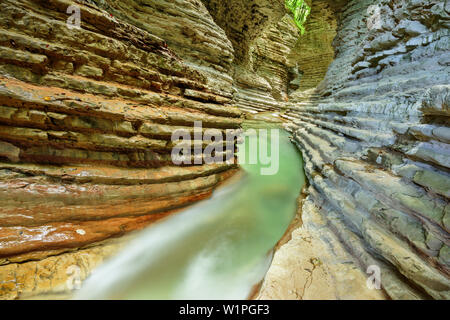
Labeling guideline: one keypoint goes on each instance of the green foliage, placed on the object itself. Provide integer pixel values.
(300, 10)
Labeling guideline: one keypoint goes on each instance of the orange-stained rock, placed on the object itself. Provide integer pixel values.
(86, 117)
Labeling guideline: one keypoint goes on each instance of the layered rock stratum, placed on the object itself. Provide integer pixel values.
(86, 117)
(374, 135)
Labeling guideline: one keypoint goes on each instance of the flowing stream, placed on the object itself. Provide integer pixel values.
(217, 249)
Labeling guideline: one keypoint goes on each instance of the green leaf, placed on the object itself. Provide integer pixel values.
(300, 11)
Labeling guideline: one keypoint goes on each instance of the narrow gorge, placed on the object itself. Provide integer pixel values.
(92, 92)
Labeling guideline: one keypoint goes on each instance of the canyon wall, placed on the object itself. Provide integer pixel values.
(263, 34)
(273, 63)
(86, 117)
(375, 137)
(313, 51)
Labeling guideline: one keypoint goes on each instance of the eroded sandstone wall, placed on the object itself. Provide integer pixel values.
(376, 150)
(263, 35)
(313, 51)
(273, 62)
(263, 84)
(86, 117)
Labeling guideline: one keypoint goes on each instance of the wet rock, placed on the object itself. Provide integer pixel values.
(87, 115)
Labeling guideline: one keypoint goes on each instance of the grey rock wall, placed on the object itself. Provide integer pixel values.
(376, 142)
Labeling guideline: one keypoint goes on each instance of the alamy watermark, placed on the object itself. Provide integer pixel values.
(374, 21)
(74, 21)
(213, 146)
(73, 281)
(262, 147)
(374, 280)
